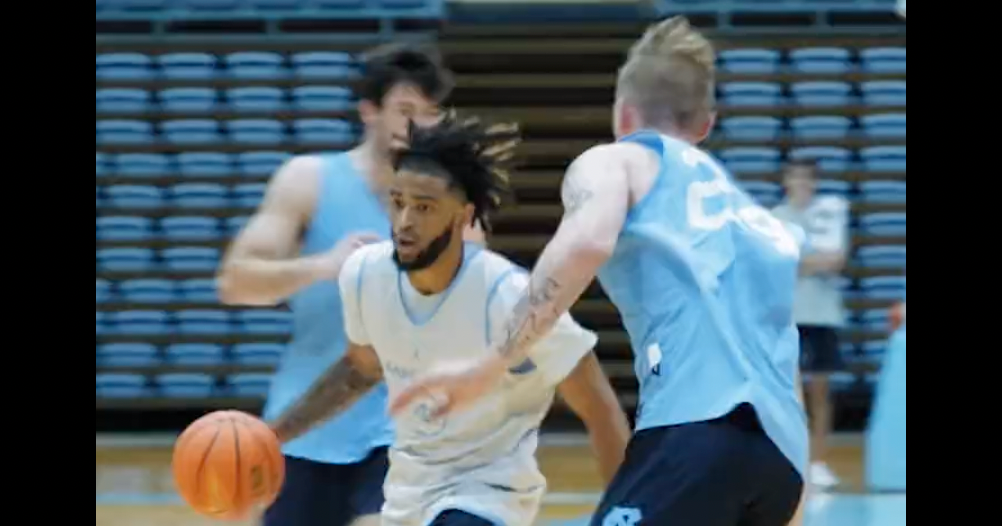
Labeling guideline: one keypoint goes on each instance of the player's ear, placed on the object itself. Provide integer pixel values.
(367, 111)
(704, 132)
(468, 214)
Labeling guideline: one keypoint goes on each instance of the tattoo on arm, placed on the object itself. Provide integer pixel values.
(532, 317)
(337, 389)
(573, 193)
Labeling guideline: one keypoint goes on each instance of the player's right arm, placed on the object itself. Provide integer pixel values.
(259, 267)
(337, 389)
(590, 395)
(348, 379)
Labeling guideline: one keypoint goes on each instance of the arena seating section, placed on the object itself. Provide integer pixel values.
(187, 136)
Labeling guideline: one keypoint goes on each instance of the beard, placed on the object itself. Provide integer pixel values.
(426, 257)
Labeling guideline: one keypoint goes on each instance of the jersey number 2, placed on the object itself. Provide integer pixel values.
(753, 217)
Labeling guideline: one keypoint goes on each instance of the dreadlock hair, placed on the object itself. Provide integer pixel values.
(471, 156)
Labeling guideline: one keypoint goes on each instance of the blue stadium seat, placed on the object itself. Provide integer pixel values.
(103, 290)
(101, 326)
(820, 127)
(201, 290)
(884, 92)
(766, 193)
(274, 4)
(882, 256)
(884, 60)
(884, 287)
(124, 259)
(884, 192)
(258, 353)
(124, 66)
(208, 322)
(122, 100)
(147, 290)
(340, 4)
(191, 131)
(323, 131)
(834, 187)
(133, 196)
(829, 158)
(187, 66)
(210, 5)
(884, 224)
(249, 195)
(235, 224)
(204, 164)
(751, 160)
(751, 94)
(123, 228)
(885, 125)
(402, 4)
(186, 385)
(323, 64)
(264, 321)
(121, 385)
(261, 163)
(190, 228)
(191, 259)
(875, 320)
(188, 100)
(142, 164)
(138, 322)
(255, 65)
(121, 131)
(138, 5)
(874, 349)
(256, 131)
(883, 159)
(256, 99)
(750, 61)
(820, 60)
(102, 166)
(751, 128)
(100, 196)
(127, 355)
(322, 98)
(195, 354)
(199, 195)
(821, 93)
(249, 385)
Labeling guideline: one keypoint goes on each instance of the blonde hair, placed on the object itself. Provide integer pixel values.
(670, 75)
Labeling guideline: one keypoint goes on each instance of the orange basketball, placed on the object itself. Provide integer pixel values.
(228, 464)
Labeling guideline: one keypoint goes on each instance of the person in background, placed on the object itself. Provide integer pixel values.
(818, 308)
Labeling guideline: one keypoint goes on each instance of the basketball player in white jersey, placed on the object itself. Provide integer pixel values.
(429, 301)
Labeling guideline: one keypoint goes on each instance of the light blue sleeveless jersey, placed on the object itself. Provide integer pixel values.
(345, 205)
(704, 279)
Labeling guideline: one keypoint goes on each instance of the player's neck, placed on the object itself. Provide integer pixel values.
(800, 202)
(436, 278)
(372, 163)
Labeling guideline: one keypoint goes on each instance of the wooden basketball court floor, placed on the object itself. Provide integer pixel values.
(134, 487)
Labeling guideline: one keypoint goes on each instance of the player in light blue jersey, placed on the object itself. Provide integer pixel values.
(704, 280)
(317, 210)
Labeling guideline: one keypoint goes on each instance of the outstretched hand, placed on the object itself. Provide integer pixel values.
(454, 390)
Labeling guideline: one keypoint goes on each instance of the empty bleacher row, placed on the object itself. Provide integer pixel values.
(186, 142)
(229, 7)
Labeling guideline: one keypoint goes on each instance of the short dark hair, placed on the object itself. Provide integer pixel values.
(469, 154)
(386, 66)
(809, 164)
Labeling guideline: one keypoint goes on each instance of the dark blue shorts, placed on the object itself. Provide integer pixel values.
(459, 518)
(724, 472)
(318, 494)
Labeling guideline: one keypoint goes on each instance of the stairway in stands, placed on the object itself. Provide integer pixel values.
(158, 322)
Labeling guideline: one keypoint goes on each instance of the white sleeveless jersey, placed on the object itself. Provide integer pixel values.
(481, 461)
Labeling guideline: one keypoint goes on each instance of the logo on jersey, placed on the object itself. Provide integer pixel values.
(654, 358)
(619, 516)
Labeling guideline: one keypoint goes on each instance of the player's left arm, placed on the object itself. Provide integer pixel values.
(589, 394)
